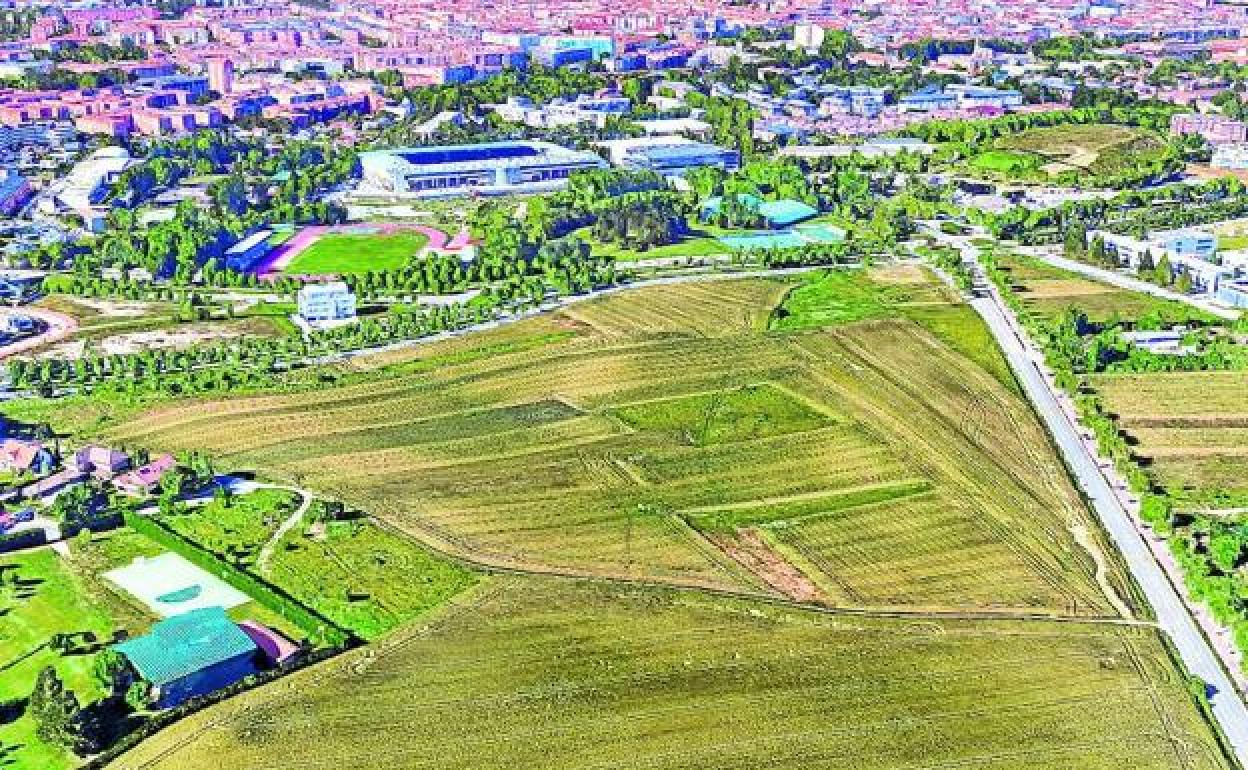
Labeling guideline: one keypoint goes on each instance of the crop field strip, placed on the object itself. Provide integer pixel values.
(1191, 428)
(712, 309)
(1048, 291)
(567, 457)
(513, 674)
(978, 442)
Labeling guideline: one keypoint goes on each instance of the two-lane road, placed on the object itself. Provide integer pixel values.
(1172, 615)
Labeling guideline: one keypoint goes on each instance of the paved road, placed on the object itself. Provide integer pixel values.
(1172, 615)
(57, 326)
(1121, 280)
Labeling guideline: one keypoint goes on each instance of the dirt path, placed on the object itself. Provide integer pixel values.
(266, 553)
(1084, 539)
(750, 550)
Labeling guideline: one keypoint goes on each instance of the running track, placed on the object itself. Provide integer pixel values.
(283, 255)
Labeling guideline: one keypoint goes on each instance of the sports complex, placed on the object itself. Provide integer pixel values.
(493, 169)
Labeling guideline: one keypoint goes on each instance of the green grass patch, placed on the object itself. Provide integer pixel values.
(834, 297)
(238, 530)
(41, 595)
(705, 419)
(352, 253)
(364, 577)
(1232, 242)
(961, 328)
(728, 519)
(1006, 161)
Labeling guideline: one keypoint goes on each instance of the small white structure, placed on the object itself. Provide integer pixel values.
(326, 302)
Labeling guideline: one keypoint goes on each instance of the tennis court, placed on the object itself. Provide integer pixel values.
(170, 585)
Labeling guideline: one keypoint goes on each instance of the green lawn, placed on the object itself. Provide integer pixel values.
(40, 596)
(363, 577)
(238, 530)
(351, 253)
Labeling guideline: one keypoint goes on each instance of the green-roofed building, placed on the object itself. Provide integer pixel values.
(191, 654)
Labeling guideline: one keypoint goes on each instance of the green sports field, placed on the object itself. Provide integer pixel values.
(356, 253)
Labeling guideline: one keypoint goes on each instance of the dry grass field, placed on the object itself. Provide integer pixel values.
(1047, 292)
(529, 672)
(645, 434)
(1189, 428)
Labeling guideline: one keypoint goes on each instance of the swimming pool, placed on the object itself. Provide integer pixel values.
(822, 233)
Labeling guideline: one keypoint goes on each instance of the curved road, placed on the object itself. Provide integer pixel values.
(57, 326)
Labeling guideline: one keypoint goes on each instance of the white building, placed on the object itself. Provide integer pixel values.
(1188, 250)
(668, 155)
(1232, 155)
(586, 109)
(326, 302)
(808, 36)
(494, 168)
(88, 183)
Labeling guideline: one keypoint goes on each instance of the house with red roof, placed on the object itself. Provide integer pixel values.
(143, 481)
(24, 456)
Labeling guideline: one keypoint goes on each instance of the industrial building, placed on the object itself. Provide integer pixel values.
(493, 169)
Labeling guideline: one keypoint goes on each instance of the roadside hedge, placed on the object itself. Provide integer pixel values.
(316, 625)
(28, 538)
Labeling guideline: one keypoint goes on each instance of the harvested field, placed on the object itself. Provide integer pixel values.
(1189, 428)
(1047, 292)
(712, 309)
(525, 672)
(611, 440)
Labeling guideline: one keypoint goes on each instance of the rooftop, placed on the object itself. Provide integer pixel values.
(184, 644)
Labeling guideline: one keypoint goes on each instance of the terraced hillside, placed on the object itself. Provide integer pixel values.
(529, 672)
(662, 434)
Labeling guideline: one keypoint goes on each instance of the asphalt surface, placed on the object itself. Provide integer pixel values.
(1172, 615)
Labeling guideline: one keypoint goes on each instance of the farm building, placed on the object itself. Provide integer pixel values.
(141, 481)
(22, 456)
(190, 655)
